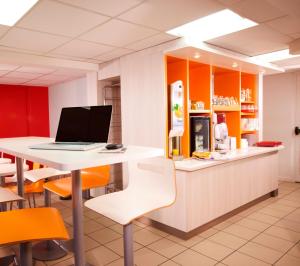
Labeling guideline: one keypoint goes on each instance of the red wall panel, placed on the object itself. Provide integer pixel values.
(24, 111)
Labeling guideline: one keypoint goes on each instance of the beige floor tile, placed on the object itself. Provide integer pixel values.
(167, 248)
(145, 237)
(288, 260)
(289, 203)
(239, 259)
(67, 212)
(118, 262)
(212, 249)
(170, 263)
(273, 242)
(228, 240)
(278, 206)
(105, 235)
(283, 233)
(105, 221)
(147, 257)
(39, 263)
(119, 228)
(92, 215)
(187, 243)
(260, 252)
(101, 256)
(157, 231)
(234, 218)
(241, 231)
(288, 224)
(295, 251)
(253, 224)
(117, 246)
(90, 243)
(69, 219)
(222, 225)
(294, 216)
(66, 262)
(274, 212)
(246, 212)
(208, 233)
(264, 218)
(193, 258)
(92, 226)
(140, 224)
(293, 197)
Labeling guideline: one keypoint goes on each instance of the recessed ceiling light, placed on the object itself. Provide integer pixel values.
(212, 26)
(235, 64)
(274, 56)
(12, 10)
(197, 55)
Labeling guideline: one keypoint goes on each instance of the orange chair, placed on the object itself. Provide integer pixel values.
(24, 226)
(91, 178)
(31, 188)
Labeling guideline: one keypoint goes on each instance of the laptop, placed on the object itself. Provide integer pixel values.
(80, 129)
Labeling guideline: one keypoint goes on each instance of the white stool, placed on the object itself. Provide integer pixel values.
(152, 185)
(5, 160)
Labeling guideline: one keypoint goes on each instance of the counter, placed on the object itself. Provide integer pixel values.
(208, 191)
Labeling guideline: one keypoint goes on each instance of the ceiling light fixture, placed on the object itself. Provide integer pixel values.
(11, 11)
(274, 56)
(235, 64)
(213, 26)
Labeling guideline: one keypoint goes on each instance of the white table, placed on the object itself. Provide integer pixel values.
(68, 161)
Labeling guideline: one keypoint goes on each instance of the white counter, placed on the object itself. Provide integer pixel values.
(197, 164)
(207, 190)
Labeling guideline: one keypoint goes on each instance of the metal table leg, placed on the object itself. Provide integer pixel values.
(48, 250)
(25, 249)
(77, 219)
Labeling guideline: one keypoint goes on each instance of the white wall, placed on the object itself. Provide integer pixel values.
(79, 92)
(280, 118)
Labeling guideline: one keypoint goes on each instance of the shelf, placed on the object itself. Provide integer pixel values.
(199, 111)
(223, 108)
(248, 114)
(248, 132)
(248, 102)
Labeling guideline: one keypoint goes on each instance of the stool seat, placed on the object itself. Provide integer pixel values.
(43, 173)
(90, 177)
(27, 225)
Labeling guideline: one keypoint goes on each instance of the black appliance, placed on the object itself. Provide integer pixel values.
(199, 133)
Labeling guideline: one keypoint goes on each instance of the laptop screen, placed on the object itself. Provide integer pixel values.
(84, 124)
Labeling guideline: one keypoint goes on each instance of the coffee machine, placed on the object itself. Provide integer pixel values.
(221, 139)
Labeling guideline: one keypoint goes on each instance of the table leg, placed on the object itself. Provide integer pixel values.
(25, 249)
(77, 219)
(3, 206)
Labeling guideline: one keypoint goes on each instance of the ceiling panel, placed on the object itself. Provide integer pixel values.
(24, 75)
(151, 41)
(82, 49)
(288, 62)
(69, 72)
(4, 80)
(257, 10)
(54, 77)
(114, 54)
(110, 8)
(288, 6)
(286, 25)
(168, 14)
(118, 33)
(31, 40)
(53, 17)
(3, 72)
(3, 29)
(253, 41)
(39, 83)
(37, 70)
(8, 67)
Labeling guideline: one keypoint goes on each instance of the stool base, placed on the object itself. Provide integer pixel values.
(47, 250)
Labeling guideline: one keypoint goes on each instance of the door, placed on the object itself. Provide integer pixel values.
(281, 113)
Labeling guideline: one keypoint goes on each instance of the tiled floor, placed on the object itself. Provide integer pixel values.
(265, 234)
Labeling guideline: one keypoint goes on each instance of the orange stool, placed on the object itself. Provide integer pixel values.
(90, 177)
(24, 226)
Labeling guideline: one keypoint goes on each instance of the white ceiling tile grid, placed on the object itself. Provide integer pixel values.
(118, 33)
(287, 25)
(114, 54)
(56, 18)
